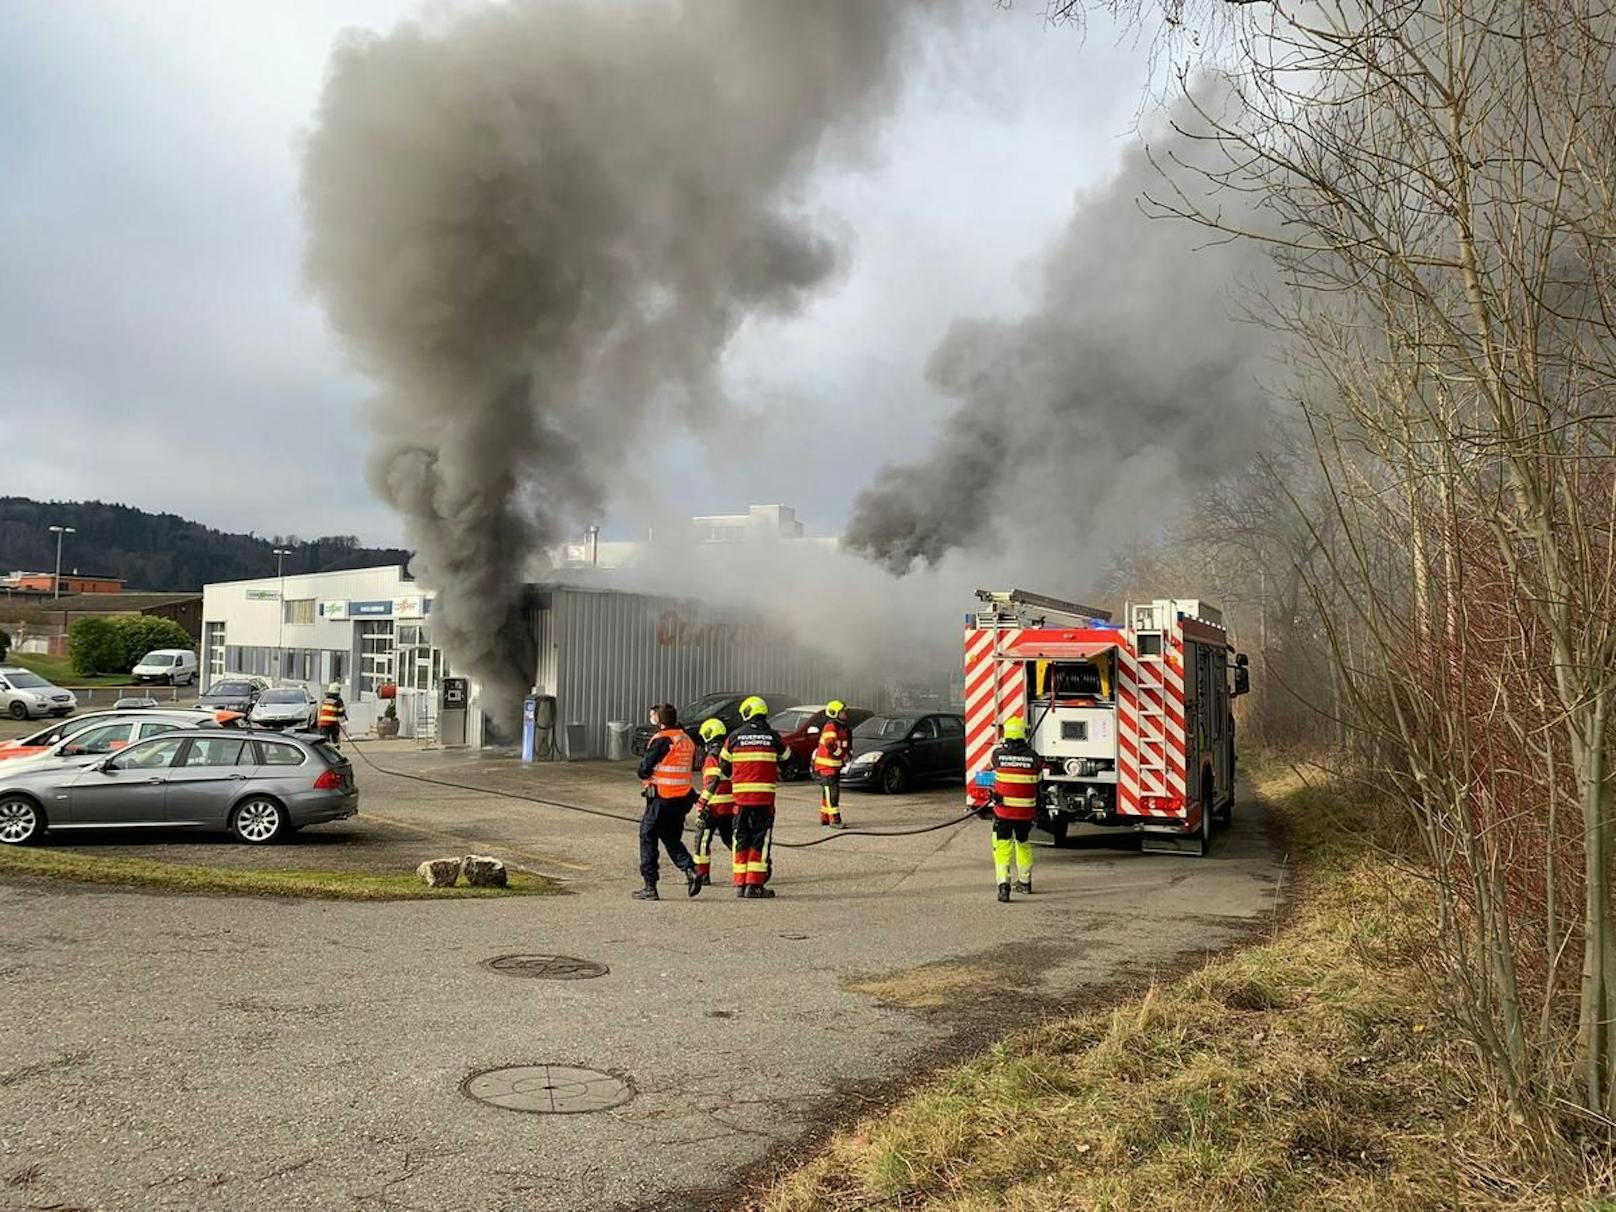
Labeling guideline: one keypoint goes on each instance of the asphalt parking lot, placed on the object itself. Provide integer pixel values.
(185, 1051)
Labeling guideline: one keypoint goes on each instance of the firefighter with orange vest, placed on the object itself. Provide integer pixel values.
(835, 741)
(750, 759)
(665, 777)
(1016, 766)
(332, 712)
(715, 805)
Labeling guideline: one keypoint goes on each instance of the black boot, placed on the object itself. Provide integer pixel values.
(647, 893)
(1024, 887)
(693, 882)
(763, 894)
(742, 891)
(1004, 894)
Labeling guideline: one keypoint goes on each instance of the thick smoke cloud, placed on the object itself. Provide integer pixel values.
(536, 227)
(1132, 382)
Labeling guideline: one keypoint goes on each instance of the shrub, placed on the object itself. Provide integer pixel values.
(94, 647)
(143, 633)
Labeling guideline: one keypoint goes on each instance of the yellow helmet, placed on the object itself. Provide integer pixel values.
(712, 729)
(834, 709)
(1015, 729)
(752, 707)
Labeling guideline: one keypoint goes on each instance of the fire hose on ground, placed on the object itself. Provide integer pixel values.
(634, 820)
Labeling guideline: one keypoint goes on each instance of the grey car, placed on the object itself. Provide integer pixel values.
(257, 785)
(285, 707)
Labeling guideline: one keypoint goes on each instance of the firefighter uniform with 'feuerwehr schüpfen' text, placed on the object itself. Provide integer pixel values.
(665, 776)
(715, 805)
(1016, 767)
(750, 759)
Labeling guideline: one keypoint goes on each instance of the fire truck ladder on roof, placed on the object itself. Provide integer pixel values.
(1013, 603)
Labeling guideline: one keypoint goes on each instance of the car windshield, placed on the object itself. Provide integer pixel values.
(702, 708)
(158, 658)
(232, 689)
(792, 718)
(23, 680)
(283, 696)
(886, 727)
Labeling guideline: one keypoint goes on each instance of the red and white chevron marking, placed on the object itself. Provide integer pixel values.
(995, 690)
(1176, 743)
(1127, 733)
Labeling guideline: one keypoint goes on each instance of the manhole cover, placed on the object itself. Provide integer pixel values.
(546, 967)
(547, 1089)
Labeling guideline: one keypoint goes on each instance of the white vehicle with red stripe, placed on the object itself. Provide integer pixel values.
(1133, 720)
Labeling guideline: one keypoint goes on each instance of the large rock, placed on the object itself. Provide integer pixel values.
(483, 871)
(439, 873)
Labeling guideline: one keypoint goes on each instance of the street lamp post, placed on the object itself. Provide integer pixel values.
(56, 582)
(280, 554)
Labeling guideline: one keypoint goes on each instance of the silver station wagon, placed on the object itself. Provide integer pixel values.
(258, 786)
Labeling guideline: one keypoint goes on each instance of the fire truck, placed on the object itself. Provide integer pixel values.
(1132, 719)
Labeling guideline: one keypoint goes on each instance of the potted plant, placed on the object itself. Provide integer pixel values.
(387, 726)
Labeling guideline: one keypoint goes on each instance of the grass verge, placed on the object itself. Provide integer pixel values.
(1313, 1071)
(59, 671)
(249, 881)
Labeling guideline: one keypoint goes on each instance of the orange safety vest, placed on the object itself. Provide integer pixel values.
(330, 712)
(672, 776)
(1015, 783)
(716, 790)
(831, 751)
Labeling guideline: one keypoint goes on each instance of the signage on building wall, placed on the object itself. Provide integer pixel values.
(412, 606)
(263, 595)
(333, 610)
(360, 610)
(674, 630)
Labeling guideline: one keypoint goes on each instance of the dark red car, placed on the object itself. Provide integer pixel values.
(799, 729)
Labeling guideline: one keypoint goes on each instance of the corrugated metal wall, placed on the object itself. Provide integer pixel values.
(608, 656)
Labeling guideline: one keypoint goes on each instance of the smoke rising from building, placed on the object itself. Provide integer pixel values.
(535, 226)
(1132, 382)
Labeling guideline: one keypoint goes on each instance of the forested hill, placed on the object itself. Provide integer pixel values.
(160, 551)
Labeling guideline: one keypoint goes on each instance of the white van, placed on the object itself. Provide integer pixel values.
(175, 666)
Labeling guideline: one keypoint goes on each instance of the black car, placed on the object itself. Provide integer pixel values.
(725, 705)
(231, 694)
(892, 753)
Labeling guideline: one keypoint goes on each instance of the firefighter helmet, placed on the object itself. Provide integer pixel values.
(334, 688)
(834, 709)
(712, 729)
(1015, 729)
(752, 707)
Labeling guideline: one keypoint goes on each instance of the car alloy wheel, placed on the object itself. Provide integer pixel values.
(19, 821)
(19, 711)
(895, 779)
(258, 821)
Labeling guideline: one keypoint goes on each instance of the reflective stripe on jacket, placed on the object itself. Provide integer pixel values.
(831, 751)
(751, 757)
(1015, 782)
(672, 776)
(330, 711)
(716, 790)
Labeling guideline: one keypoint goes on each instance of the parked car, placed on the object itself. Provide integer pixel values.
(134, 704)
(892, 753)
(799, 729)
(285, 707)
(232, 694)
(27, 696)
(724, 705)
(257, 787)
(38, 742)
(110, 734)
(175, 666)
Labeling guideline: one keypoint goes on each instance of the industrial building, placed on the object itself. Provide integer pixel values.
(601, 654)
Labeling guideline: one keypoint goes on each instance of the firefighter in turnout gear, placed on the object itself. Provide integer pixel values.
(750, 759)
(332, 712)
(1016, 767)
(835, 740)
(715, 806)
(665, 777)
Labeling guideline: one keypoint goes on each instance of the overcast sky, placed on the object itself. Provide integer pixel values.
(157, 346)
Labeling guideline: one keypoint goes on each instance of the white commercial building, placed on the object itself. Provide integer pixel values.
(602, 655)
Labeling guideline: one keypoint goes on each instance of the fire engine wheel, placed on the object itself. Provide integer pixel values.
(1206, 814)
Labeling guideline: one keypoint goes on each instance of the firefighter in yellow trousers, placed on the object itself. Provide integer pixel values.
(1016, 767)
(835, 740)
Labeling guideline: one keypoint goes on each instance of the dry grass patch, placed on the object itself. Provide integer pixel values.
(1311, 1072)
(926, 987)
(247, 881)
